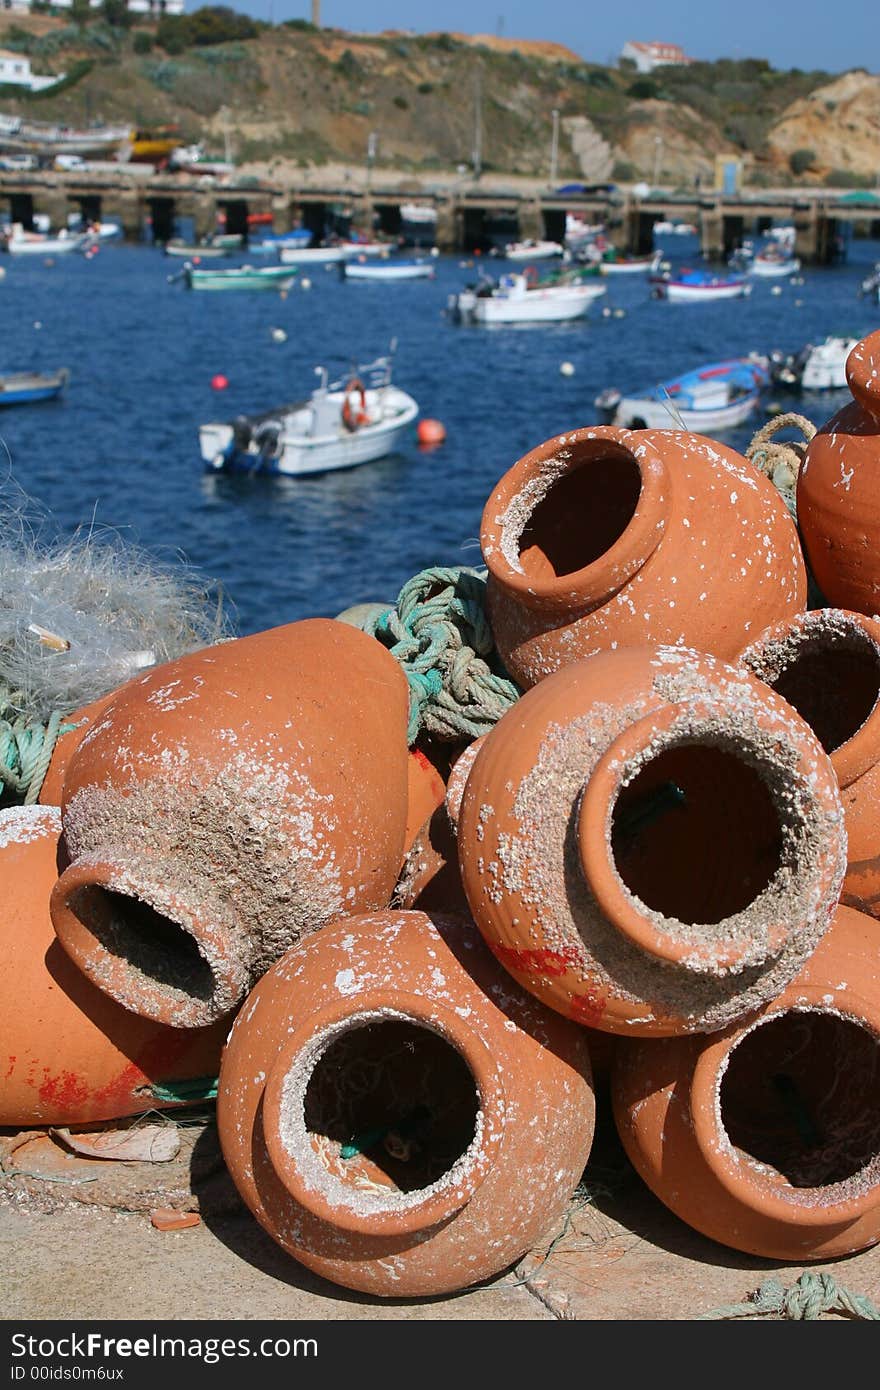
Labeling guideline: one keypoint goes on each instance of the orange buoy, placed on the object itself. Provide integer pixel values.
(431, 432)
(219, 382)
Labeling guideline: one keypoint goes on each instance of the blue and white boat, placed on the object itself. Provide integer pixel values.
(270, 244)
(24, 388)
(715, 397)
(697, 286)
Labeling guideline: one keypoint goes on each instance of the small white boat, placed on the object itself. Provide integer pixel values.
(714, 397)
(817, 367)
(522, 298)
(774, 262)
(315, 255)
(21, 243)
(343, 423)
(698, 286)
(631, 265)
(675, 228)
(383, 269)
(533, 250)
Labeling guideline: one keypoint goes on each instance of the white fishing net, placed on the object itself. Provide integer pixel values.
(81, 615)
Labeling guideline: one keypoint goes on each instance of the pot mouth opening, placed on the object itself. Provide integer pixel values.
(696, 833)
(146, 940)
(381, 1115)
(830, 674)
(799, 1104)
(599, 493)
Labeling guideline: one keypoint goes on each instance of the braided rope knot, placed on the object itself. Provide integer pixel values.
(808, 1298)
(780, 461)
(439, 633)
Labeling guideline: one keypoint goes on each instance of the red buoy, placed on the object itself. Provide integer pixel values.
(219, 382)
(430, 432)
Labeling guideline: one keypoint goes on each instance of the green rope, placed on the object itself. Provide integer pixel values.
(439, 633)
(810, 1297)
(193, 1089)
(26, 748)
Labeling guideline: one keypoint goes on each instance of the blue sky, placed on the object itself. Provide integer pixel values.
(788, 33)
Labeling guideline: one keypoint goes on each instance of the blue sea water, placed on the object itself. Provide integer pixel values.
(120, 450)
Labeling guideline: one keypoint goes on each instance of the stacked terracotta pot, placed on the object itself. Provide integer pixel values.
(664, 859)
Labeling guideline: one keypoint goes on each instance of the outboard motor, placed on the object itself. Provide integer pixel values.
(241, 433)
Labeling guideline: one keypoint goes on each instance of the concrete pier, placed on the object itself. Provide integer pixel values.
(148, 205)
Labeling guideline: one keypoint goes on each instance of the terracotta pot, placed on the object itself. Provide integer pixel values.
(606, 538)
(826, 663)
(396, 1114)
(652, 841)
(766, 1136)
(227, 804)
(838, 491)
(69, 1054)
(75, 727)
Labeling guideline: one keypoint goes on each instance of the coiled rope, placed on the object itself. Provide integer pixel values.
(26, 748)
(808, 1298)
(781, 460)
(439, 633)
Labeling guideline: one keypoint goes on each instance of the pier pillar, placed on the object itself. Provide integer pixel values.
(125, 206)
(531, 220)
(282, 213)
(447, 230)
(712, 232)
(807, 234)
(205, 215)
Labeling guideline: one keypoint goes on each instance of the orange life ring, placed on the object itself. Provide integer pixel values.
(530, 275)
(354, 415)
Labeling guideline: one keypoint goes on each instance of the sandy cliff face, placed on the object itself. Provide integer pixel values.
(840, 123)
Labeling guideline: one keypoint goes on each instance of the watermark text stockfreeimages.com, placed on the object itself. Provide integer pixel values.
(31, 1354)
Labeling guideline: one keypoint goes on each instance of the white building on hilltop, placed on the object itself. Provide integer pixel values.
(15, 71)
(153, 7)
(648, 56)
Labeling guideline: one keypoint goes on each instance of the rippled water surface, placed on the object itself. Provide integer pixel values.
(121, 448)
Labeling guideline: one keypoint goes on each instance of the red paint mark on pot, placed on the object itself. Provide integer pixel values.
(541, 961)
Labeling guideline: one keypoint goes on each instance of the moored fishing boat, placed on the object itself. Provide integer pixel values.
(19, 242)
(629, 265)
(315, 255)
(697, 286)
(387, 269)
(774, 261)
(245, 277)
(342, 423)
(529, 250)
(521, 297)
(817, 367)
(26, 388)
(713, 397)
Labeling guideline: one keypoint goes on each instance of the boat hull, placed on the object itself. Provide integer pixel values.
(238, 279)
(773, 268)
(556, 305)
(378, 271)
(314, 255)
(698, 294)
(27, 388)
(300, 455)
(638, 413)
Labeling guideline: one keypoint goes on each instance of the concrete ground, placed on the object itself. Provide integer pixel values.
(76, 1242)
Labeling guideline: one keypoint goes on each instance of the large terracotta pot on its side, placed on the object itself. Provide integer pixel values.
(396, 1114)
(652, 841)
(605, 538)
(838, 491)
(766, 1136)
(227, 804)
(826, 663)
(69, 1055)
